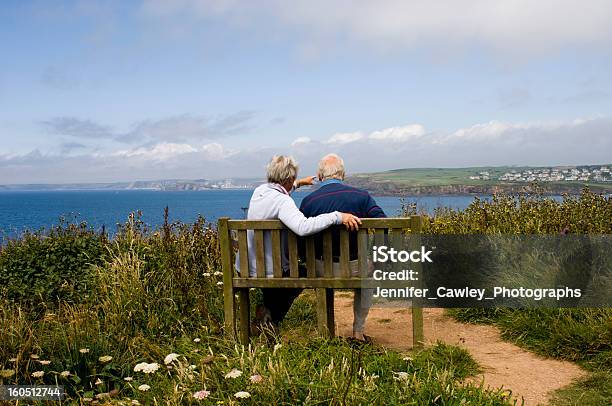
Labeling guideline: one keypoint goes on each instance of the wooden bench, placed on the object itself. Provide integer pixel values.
(377, 230)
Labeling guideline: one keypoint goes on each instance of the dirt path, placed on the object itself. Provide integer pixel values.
(504, 364)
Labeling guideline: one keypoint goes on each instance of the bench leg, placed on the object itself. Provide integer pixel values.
(325, 312)
(230, 310)
(417, 327)
(245, 315)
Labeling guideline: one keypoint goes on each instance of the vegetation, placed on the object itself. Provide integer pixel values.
(138, 318)
(145, 327)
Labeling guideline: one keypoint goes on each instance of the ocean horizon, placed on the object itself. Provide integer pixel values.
(33, 210)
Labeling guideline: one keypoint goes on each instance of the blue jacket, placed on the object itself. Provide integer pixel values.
(334, 195)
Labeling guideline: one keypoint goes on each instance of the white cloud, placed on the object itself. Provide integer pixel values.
(518, 26)
(159, 152)
(399, 134)
(344, 138)
(300, 141)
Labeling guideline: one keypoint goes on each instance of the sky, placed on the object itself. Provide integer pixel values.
(104, 91)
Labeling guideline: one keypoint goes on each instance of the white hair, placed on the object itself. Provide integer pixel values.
(331, 166)
(281, 168)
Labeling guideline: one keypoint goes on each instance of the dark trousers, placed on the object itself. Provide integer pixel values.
(279, 300)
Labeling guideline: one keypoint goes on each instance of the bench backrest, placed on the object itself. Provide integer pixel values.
(380, 229)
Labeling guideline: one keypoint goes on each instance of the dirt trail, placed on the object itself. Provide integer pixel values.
(504, 364)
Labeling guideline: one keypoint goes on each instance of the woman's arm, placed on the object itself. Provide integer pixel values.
(293, 218)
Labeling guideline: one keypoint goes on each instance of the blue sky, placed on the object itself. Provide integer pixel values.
(116, 90)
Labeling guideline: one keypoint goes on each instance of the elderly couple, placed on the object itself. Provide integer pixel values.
(332, 203)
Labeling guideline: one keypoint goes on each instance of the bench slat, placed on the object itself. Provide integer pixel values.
(260, 257)
(313, 283)
(403, 222)
(362, 251)
(293, 255)
(310, 257)
(345, 271)
(243, 253)
(277, 269)
(328, 269)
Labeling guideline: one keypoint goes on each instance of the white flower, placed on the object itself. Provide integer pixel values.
(170, 358)
(84, 350)
(217, 273)
(401, 375)
(192, 367)
(219, 283)
(44, 362)
(128, 379)
(87, 399)
(234, 373)
(196, 340)
(242, 395)
(105, 358)
(99, 381)
(38, 374)
(65, 374)
(201, 394)
(146, 367)
(13, 360)
(144, 387)
(135, 402)
(408, 359)
(206, 274)
(256, 378)
(34, 356)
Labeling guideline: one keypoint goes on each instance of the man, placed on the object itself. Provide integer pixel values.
(334, 195)
(272, 201)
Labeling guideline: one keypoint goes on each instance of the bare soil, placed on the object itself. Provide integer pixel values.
(528, 376)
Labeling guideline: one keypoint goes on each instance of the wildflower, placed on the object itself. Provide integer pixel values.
(135, 402)
(256, 378)
(105, 358)
(144, 387)
(220, 283)
(170, 358)
(201, 394)
(128, 379)
(99, 381)
(206, 274)
(196, 340)
(65, 374)
(402, 376)
(34, 356)
(84, 350)
(234, 373)
(87, 399)
(146, 367)
(6, 373)
(242, 395)
(13, 360)
(217, 273)
(38, 374)
(192, 367)
(408, 359)
(44, 362)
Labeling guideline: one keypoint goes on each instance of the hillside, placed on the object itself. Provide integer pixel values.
(486, 180)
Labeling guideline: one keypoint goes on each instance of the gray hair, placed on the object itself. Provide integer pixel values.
(331, 166)
(281, 168)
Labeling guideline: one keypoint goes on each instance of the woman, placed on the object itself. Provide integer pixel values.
(272, 201)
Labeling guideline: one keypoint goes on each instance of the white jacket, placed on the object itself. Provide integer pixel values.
(272, 201)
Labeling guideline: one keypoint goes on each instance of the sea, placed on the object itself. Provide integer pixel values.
(35, 210)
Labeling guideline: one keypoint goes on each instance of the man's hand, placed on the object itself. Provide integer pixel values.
(308, 180)
(350, 221)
